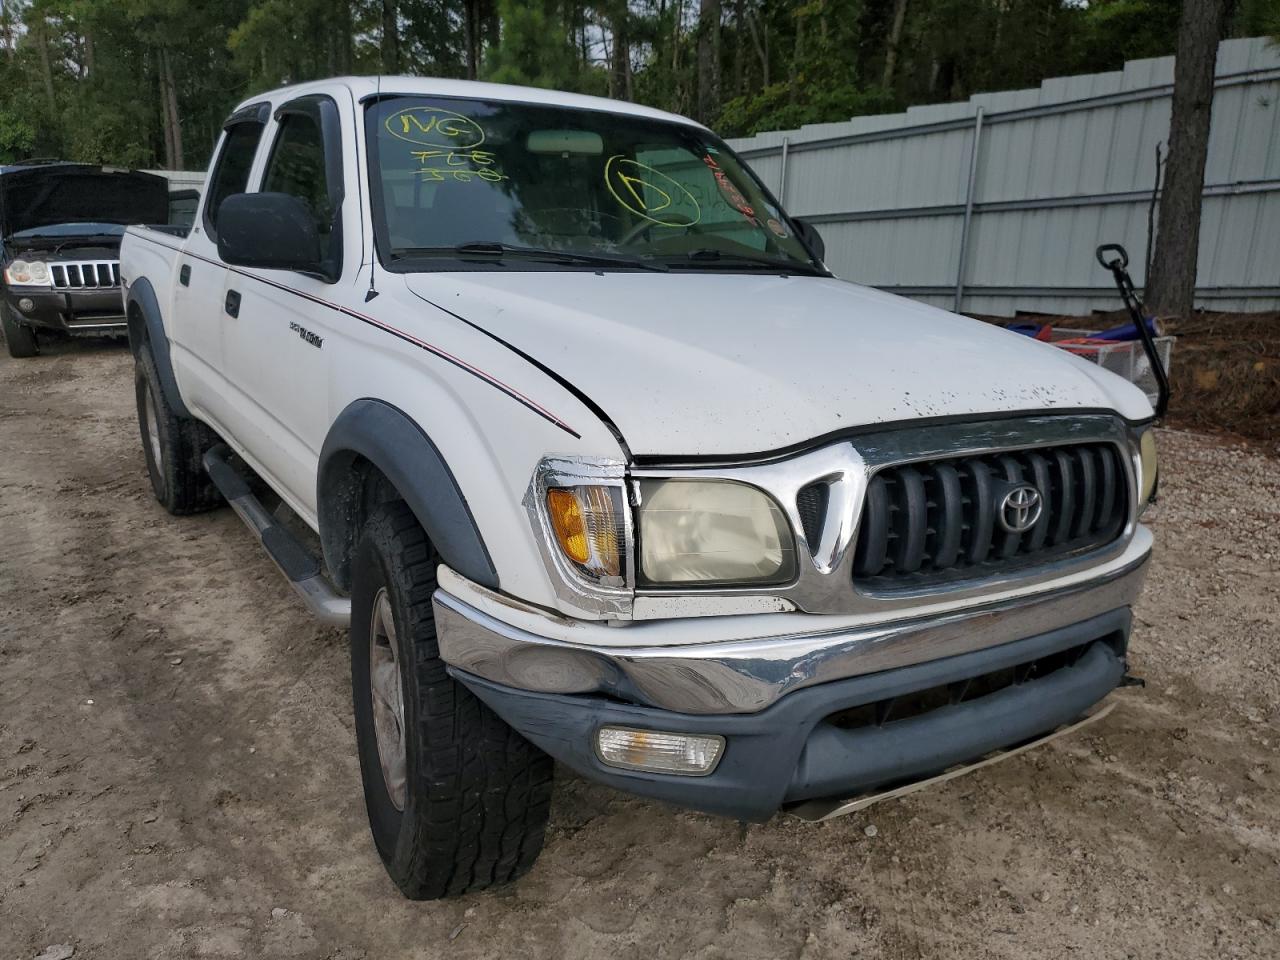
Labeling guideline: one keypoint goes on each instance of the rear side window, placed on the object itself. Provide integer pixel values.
(231, 172)
(297, 167)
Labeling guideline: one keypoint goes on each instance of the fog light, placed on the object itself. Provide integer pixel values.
(686, 754)
(26, 304)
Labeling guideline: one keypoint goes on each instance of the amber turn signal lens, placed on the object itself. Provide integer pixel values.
(566, 520)
(587, 523)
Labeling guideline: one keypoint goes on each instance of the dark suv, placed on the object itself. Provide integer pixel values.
(60, 230)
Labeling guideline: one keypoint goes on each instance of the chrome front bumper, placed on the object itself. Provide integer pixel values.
(747, 676)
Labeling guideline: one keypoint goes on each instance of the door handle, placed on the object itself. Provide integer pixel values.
(184, 275)
(232, 306)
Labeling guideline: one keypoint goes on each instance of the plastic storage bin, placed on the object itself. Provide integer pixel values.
(1125, 357)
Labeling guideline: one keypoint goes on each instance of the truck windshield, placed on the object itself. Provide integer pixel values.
(490, 181)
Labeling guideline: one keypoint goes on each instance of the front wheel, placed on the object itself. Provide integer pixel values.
(18, 337)
(457, 800)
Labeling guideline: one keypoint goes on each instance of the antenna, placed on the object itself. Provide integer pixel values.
(373, 258)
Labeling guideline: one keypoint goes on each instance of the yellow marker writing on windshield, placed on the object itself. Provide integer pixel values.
(634, 185)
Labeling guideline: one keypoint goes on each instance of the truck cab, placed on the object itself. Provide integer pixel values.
(599, 463)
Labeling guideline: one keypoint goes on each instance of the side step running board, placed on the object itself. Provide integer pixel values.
(293, 559)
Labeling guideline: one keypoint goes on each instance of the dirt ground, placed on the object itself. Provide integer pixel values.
(178, 775)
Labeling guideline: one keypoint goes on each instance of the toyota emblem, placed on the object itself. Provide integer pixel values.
(1020, 509)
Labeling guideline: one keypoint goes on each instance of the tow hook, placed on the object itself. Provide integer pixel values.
(1129, 680)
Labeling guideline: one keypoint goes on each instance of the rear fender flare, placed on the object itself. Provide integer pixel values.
(146, 330)
(392, 442)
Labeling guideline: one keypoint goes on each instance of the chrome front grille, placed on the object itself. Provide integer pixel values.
(942, 520)
(833, 502)
(85, 275)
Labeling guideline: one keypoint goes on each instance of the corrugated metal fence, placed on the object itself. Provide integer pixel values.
(995, 205)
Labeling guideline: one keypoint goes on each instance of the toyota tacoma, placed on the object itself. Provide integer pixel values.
(548, 399)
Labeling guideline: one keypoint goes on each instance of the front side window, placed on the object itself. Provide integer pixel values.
(231, 172)
(297, 167)
(526, 178)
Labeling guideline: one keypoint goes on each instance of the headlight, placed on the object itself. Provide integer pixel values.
(22, 272)
(18, 272)
(590, 529)
(1149, 467)
(712, 531)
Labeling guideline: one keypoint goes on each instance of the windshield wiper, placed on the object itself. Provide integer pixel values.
(714, 257)
(485, 248)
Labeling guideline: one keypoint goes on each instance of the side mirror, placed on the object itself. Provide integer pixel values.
(273, 231)
(810, 237)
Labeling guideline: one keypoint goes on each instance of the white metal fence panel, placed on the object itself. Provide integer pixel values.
(1056, 171)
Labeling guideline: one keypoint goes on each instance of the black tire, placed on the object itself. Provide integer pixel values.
(18, 337)
(173, 454)
(475, 793)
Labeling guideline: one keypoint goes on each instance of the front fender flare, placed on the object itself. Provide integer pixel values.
(392, 442)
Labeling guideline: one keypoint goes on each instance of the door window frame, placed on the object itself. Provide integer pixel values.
(255, 113)
(323, 111)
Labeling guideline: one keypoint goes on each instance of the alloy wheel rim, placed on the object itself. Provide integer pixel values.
(387, 697)
(153, 432)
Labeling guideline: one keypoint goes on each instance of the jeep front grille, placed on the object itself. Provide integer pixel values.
(87, 275)
(940, 520)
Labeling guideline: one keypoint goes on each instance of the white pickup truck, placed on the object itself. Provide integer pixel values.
(549, 400)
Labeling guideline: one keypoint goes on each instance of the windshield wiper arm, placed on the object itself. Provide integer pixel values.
(710, 255)
(486, 248)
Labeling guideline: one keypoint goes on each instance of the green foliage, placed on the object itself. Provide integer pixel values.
(785, 106)
(1119, 30)
(103, 80)
(534, 48)
(17, 136)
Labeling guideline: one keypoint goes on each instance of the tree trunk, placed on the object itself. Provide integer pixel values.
(390, 45)
(762, 47)
(6, 30)
(347, 39)
(740, 48)
(797, 56)
(169, 106)
(895, 37)
(1171, 287)
(46, 63)
(708, 60)
(471, 35)
(620, 59)
(166, 124)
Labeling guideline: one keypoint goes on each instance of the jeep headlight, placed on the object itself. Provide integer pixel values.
(712, 531)
(27, 272)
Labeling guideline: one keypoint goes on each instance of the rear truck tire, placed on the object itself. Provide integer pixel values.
(457, 800)
(18, 337)
(173, 446)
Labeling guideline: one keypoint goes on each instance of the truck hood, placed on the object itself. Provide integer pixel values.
(72, 193)
(727, 364)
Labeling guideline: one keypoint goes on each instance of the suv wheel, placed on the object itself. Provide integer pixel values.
(457, 800)
(18, 337)
(173, 446)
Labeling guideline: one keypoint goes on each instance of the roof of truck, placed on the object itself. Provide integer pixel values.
(362, 87)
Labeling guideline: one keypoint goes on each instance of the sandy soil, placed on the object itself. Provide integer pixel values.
(178, 776)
